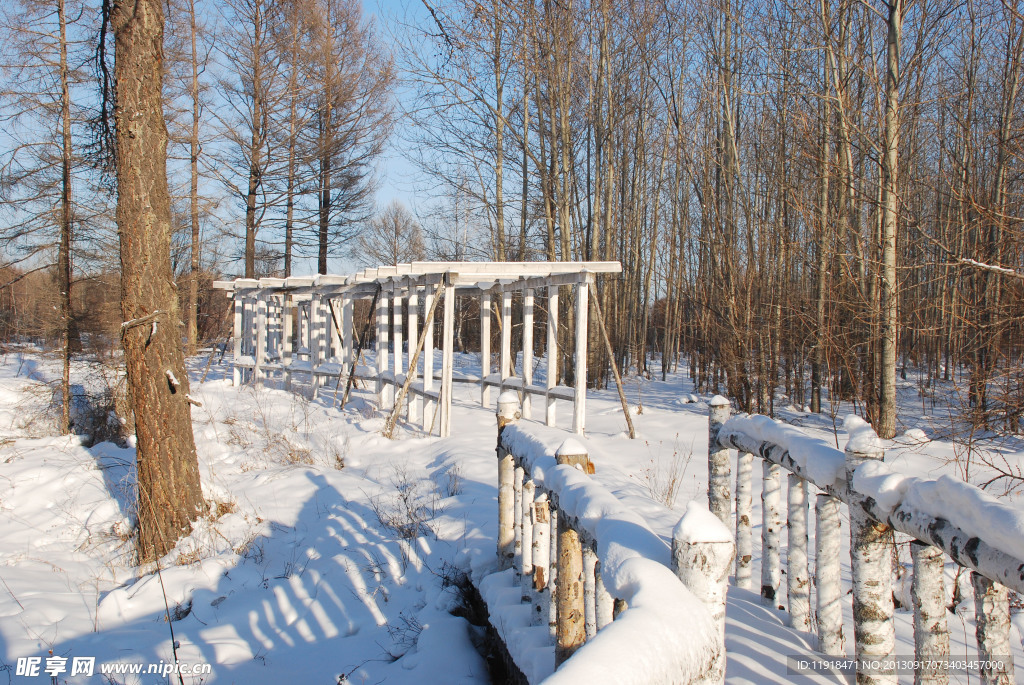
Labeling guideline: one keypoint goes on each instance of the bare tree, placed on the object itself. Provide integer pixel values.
(393, 236)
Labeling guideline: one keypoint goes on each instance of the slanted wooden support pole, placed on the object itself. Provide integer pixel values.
(527, 352)
(611, 359)
(579, 407)
(719, 495)
(827, 578)
(389, 425)
(871, 550)
(798, 583)
(702, 555)
(507, 414)
(485, 347)
(526, 558)
(771, 534)
(541, 561)
(931, 631)
(992, 623)
(570, 633)
(552, 354)
(744, 510)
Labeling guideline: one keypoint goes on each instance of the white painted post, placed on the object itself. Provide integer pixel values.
(261, 337)
(506, 336)
(589, 591)
(448, 360)
(485, 347)
(702, 554)
(527, 352)
(237, 334)
(744, 510)
(429, 406)
(931, 632)
(526, 567)
(316, 336)
(827, 576)
(771, 534)
(507, 414)
(397, 325)
(719, 497)
(347, 338)
(415, 403)
(552, 354)
(382, 348)
(798, 575)
(871, 550)
(541, 561)
(579, 409)
(992, 624)
(287, 346)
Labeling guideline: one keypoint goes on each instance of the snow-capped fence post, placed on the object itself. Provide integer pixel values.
(797, 576)
(719, 497)
(827, 578)
(508, 413)
(541, 561)
(517, 520)
(570, 628)
(590, 590)
(931, 633)
(771, 534)
(702, 554)
(871, 548)
(744, 530)
(992, 621)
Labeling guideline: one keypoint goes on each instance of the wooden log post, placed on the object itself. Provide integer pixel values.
(931, 631)
(589, 591)
(517, 521)
(541, 561)
(719, 496)
(871, 550)
(744, 529)
(605, 601)
(508, 413)
(702, 555)
(570, 629)
(526, 558)
(992, 623)
(798, 583)
(827, 576)
(771, 534)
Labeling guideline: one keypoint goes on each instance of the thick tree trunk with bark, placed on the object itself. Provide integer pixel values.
(169, 494)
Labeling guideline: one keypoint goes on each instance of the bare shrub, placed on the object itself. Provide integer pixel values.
(408, 511)
(664, 475)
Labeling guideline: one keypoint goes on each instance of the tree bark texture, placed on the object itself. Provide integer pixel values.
(169, 493)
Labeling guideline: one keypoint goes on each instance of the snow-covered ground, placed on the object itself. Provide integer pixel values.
(333, 552)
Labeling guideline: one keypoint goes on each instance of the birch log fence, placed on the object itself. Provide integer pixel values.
(943, 518)
(585, 592)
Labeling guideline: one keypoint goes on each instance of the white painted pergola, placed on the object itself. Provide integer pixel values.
(321, 343)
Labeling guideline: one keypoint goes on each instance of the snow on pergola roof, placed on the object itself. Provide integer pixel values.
(480, 275)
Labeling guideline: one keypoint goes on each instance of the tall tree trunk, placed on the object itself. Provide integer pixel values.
(64, 250)
(192, 315)
(890, 214)
(169, 494)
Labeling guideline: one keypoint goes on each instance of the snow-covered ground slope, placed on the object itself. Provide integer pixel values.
(331, 551)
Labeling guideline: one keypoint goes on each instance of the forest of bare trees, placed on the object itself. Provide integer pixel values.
(808, 199)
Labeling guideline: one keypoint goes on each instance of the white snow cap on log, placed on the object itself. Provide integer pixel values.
(718, 401)
(571, 448)
(863, 439)
(822, 463)
(698, 524)
(879, 482)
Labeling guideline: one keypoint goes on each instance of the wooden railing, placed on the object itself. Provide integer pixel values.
(585, 591)
(946, 517)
